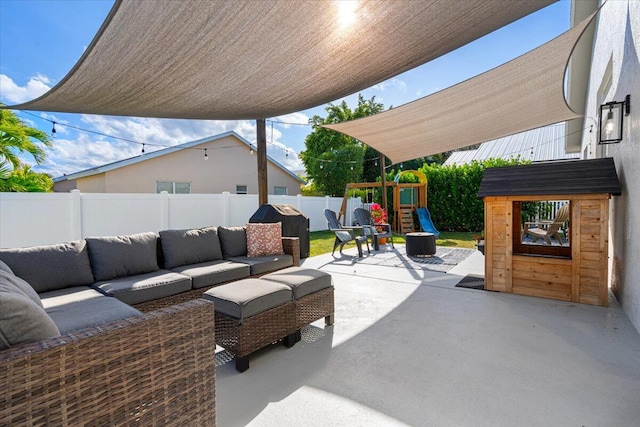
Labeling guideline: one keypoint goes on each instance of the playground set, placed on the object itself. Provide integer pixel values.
(407, 198)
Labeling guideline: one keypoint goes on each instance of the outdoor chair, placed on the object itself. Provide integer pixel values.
(344, 235)
(546, 229)
(364, 219)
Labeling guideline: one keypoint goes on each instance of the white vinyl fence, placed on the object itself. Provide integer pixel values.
(28, 219)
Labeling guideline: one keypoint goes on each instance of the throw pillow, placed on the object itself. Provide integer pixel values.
(264, 239)
(8, 279)
(21, 319)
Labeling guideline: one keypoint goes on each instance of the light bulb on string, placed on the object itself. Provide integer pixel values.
(321, 166)
(251, 150)
(206, 156)
(351, 167)
(286, 153)
(53, 130)
(142, 148)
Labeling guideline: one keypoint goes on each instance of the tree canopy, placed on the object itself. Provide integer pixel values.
(17, 140)
(333, 159)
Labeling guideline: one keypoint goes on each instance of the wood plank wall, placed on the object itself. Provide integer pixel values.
(583, 278)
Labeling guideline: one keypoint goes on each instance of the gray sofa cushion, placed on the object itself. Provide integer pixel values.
(183, 247)
(22, 286)
(82, 307)
(233, 241)
(120, 256)
(51, 267)
(145, 287)
(265, 264)
(213, 272)
(302, 281)
(248, 297)
(21, 319)
(5, 267)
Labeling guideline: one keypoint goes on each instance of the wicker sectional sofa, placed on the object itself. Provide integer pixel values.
(112, 330)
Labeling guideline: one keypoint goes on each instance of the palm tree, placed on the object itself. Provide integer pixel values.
(17, 138)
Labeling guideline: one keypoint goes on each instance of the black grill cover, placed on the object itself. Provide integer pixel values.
(294, 223)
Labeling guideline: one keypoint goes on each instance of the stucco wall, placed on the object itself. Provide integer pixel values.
(229, 164)
(617, 41)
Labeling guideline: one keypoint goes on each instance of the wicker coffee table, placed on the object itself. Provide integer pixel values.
(420, 244)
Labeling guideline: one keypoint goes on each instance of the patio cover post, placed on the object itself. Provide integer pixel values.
(261, 145)
(383, 178)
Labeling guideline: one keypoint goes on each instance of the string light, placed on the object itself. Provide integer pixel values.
(206, 156)
(251, 148)
(286, 153)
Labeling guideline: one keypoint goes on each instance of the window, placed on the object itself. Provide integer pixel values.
(542, 228)
(173, 187)
(241, 189)
(280, 191)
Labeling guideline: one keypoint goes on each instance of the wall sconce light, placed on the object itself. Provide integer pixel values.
(611, 120)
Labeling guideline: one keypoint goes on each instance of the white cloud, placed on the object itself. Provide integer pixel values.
(394, 83)
(296, 118)
(12, 93)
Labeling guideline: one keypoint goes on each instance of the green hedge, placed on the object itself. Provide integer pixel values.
(452, 194)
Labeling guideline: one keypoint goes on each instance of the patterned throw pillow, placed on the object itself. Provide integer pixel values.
(264, 239)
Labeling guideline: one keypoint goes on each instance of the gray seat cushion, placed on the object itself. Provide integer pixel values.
(265, 264)
(120, 256)
(184, 247)
(145, 287)
(82, 307)
(248, 297)
(51, 267)
(233, 241)
(213, 272)
(302, 281)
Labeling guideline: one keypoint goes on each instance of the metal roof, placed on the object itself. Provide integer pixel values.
(595, 176)
(133, 160)
(537, 145)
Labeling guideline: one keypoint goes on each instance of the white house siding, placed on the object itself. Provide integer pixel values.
(617, 41)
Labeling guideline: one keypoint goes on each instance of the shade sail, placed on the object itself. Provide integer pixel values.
(247, 59)
(523, 94)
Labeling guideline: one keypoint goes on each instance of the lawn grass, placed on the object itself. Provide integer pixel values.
(322, 241)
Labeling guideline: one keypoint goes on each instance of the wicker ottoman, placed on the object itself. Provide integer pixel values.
(312, 293)
(251, 314)
(420, 244)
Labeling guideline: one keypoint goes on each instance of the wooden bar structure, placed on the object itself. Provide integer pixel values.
(576, 271)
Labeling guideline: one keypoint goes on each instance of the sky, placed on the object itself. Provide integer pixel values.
(41, 40)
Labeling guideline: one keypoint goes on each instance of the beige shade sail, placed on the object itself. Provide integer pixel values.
(249, 59)
(523, 94)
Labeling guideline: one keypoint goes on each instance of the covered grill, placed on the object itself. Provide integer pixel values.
(294, 223)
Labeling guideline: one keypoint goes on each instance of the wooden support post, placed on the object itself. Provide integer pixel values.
(383, 178)
(261, 143)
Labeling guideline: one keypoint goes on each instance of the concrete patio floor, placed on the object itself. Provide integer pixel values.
(409, 348)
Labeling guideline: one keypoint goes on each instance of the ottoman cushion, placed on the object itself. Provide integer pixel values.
(302, 281)
(248, 297)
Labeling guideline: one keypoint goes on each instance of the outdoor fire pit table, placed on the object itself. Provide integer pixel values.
(420, 244)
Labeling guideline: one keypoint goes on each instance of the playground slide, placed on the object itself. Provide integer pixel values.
(425, 221)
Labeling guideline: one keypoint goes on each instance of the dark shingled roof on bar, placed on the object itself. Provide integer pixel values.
(596, 176)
